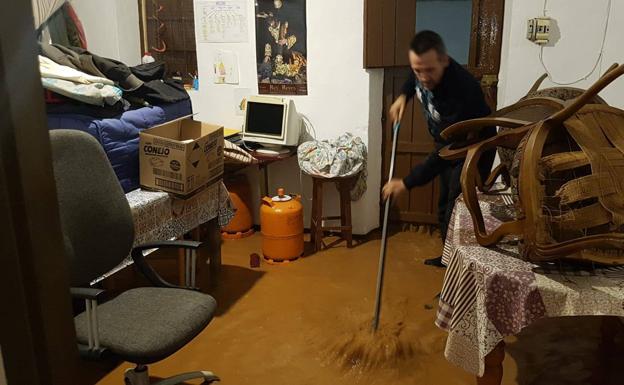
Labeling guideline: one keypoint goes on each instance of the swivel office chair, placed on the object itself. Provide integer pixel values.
(142, 325)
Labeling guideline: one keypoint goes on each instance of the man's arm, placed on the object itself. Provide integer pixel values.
(397, 186)
(407, 92)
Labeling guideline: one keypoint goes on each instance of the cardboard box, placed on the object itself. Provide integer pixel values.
(181, 156)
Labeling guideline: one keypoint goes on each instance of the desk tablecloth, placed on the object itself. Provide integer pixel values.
(158, 217)
(490, 293)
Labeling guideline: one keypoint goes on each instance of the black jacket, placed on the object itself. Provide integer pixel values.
(457, 97)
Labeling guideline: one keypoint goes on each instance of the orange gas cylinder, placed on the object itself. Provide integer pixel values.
(281, 222)
(241, 225)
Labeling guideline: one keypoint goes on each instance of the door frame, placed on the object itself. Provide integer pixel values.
(36, 324)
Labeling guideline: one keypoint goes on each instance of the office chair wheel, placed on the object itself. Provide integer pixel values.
(137, 376)
(140, 376)
(208, 378)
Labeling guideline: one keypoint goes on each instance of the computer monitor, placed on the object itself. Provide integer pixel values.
(272, 122)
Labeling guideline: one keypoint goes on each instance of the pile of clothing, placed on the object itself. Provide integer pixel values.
(341, 157)
(78, 81)
(100, 96)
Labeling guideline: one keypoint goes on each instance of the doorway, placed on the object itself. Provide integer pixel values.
(473, 38)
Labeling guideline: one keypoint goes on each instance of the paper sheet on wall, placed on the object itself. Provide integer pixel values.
(226, 67)
(240, 100)
(222, 21)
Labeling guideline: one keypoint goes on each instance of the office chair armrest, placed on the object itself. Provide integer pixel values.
(191, 245)
(92, 354)
(91, 297)
(153, 277)
(86, 293)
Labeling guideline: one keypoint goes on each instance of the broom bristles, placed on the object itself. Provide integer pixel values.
(365, 350)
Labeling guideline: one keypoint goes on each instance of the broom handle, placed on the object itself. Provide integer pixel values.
(384, 232)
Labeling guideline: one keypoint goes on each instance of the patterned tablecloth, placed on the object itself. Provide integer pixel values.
(158, 216)
(489, 293)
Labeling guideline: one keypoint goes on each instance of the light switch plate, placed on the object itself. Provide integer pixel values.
(538, 30)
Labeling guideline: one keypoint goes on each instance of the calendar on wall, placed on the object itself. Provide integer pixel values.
(222, 21)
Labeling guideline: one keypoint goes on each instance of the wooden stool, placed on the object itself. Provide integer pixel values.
(317, 230)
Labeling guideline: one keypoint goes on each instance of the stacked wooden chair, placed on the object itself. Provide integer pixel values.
(536, 105)
(567, 175)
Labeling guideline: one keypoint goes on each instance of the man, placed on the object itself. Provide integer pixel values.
(448, 94)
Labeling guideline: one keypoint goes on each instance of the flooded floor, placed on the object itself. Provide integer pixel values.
(306, 323)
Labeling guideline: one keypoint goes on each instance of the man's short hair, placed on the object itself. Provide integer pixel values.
(424, 41)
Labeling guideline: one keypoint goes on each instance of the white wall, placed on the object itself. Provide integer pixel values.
(128, 33)
(342, 97)
(581, 26)
(112, 28)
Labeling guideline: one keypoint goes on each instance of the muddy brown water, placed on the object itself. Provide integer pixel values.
(308, 322)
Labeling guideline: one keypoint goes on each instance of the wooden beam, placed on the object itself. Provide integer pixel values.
(388, 32)
(373, 33)
(405, 30)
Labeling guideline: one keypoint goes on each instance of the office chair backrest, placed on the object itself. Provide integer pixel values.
(95, 215)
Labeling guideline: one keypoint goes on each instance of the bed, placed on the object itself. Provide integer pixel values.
(119, 136)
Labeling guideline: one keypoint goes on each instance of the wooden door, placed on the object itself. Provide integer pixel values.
(388, 28)
(485, 47)
(415, 143)
(36, 324)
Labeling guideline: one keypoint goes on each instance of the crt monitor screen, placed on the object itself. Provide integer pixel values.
(265, 118)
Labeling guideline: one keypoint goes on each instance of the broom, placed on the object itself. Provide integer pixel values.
(384, 233)
(366, 349)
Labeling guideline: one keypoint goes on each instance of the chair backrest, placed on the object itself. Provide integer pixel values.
(95, 216)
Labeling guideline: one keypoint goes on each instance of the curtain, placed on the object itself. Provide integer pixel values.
(43, 9)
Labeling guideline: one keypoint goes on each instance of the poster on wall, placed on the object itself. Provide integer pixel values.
(281, 47)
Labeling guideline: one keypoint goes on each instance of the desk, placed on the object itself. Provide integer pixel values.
(156, 218)
(262, 161)
(489, 293)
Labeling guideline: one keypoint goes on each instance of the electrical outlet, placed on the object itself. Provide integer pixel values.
(538, 30)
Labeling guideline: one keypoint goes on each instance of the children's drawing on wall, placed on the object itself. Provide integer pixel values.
(225, 67)
(281, 47)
